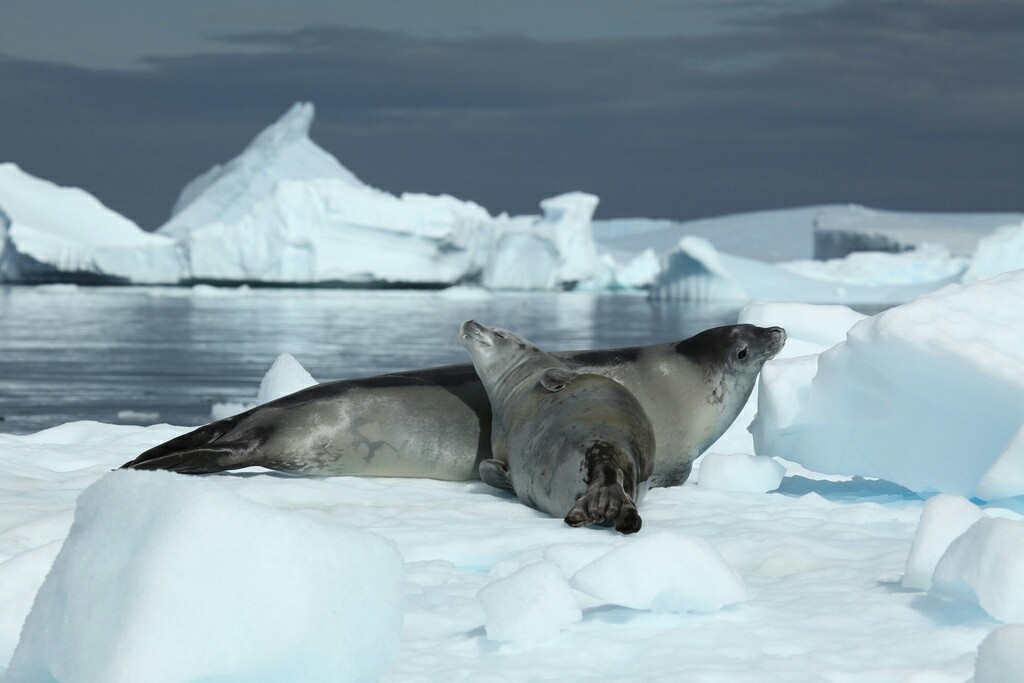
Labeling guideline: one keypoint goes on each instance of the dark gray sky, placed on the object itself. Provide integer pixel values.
(663, 109)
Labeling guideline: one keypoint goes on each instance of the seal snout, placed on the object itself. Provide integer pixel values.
(472, 331)
(776, 340)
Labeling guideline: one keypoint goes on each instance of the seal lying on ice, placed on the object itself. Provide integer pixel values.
(436, 422)
(575, 446)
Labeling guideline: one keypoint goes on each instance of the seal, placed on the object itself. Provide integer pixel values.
(436, 422)
(577, 446)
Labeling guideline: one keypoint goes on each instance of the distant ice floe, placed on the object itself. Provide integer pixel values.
(929, 395)
(696, 271)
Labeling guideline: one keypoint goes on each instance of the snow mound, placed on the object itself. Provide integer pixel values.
(662, 572)
(572, 557)
(531, 604)
(926, 395)
(1001, 656)
(285, 376)
(1000, 252)
(165, 578)
(985, 565)
(943, 519)
(1005, 477)
(740, 472)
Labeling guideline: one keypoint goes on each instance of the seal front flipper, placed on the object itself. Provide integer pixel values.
(495, 473)
(556, 379)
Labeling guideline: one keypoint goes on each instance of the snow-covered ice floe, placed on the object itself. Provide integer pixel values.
(268, 577)
(929, 395)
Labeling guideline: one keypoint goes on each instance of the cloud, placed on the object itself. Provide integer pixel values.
(905, 105)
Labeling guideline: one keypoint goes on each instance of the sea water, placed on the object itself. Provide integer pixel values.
(143, 355)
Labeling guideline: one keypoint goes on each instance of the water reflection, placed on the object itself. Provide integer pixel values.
(88, 353)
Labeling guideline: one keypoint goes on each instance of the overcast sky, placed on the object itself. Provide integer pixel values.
(663, 109)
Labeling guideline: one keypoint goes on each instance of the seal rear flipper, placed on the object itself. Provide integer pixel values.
(603, 504)
(495, 473)
(198, 460)
(199, 438)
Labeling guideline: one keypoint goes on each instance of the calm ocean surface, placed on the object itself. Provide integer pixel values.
(89, 353)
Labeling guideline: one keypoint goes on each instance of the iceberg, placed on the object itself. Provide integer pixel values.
(50, 233)
(285, 211)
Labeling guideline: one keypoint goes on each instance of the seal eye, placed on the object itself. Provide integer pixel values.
(499, 335)
(742, 353)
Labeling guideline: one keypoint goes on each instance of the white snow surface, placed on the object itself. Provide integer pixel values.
(166, 578)
(927, 394)
(985, 565)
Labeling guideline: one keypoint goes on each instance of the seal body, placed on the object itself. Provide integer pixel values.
(577, 446)
(436, 422)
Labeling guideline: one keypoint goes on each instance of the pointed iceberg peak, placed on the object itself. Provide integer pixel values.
(292, 126)
(281, 151)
